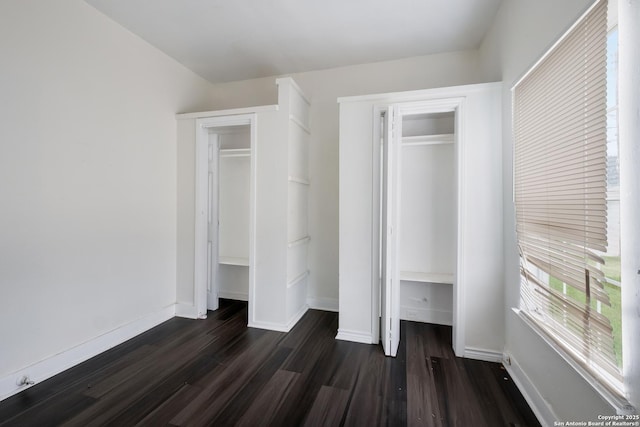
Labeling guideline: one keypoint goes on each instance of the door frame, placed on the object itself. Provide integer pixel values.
(427, 106)
(204, 278)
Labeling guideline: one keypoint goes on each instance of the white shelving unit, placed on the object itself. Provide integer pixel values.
(298, 184)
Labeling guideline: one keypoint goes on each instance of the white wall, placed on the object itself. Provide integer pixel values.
(323, 88)
(87, 177)
(521, 33)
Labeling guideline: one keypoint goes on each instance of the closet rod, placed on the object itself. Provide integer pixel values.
(235, 152)
(427, 140)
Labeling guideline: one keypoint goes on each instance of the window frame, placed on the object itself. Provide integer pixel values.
(612, 392)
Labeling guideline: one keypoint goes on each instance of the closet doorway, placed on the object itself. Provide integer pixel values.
(225, 210)
(419, 216)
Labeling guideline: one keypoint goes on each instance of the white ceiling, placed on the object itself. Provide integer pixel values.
(227, 40)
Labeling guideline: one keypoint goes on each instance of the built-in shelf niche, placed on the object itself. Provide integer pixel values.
(234, 172)
(427, 217)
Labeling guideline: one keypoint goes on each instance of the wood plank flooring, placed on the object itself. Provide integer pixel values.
(219, 372)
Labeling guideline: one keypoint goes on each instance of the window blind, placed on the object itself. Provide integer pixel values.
(559, 122)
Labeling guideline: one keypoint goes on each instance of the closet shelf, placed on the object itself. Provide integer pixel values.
(228, 260)
(418, 276)
(446, 138)
(235, 152)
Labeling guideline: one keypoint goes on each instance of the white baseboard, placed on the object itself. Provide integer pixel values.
(270, 326)
(355, 336)
(55, 364)
(186, 310)
(325, 304)
(540, 407)
(482, 354)
(426, 315)
(296, 317)
(280, 327)
(240, 296)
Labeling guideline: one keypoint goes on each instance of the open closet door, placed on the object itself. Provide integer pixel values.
(390, 286)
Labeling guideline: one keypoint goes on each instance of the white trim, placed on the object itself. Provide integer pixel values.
(203, 125)
(459, 285)
(239, 296)
(201, 250)
(279, 327)
(426, 315)
(421, 140)
(301, 125)
(295, 86)
(540, 407)
(186, 310)
(296, 317)
(66, 359)
(424, 277)
(355, 336)
(230, 112)
(235, 152)
(298, 180)
(229, 260)
(305, 239)
(483, 354)
(324, 304)
(299, 278)
(376, 226)
(442, 93)
(252, 217)
(270, 326)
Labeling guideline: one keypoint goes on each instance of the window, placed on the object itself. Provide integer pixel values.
(560, 122)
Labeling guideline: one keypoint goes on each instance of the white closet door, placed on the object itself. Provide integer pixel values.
(390, 289)
(212, 224)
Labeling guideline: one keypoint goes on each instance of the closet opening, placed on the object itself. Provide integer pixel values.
(418, 227)
(225, 174)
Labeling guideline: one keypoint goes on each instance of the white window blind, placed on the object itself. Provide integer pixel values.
(559, 121)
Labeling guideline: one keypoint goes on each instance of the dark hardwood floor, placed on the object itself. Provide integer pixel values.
(219, 372)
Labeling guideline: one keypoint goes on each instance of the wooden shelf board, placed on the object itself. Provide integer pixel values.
(417, 276)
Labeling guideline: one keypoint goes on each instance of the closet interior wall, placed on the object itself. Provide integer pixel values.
(233, 170)
(426, 245)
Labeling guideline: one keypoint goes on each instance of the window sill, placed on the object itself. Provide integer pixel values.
(619, 403)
